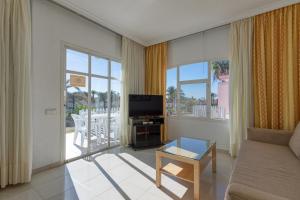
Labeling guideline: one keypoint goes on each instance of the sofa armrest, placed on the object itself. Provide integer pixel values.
(236, 191)
(272, 136)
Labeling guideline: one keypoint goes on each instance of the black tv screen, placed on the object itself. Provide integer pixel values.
(145, 105)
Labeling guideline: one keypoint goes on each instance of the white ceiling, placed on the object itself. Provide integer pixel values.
(153, 21)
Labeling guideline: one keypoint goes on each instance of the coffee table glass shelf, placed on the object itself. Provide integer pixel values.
(188, 157)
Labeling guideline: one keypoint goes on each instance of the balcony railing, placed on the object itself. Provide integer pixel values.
(216, 112)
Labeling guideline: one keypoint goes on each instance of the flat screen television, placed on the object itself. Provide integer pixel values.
(145, 105)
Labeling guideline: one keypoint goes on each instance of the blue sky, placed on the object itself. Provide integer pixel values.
(77, 61)
(190, 72)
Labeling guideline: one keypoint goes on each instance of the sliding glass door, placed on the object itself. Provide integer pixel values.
(92, 103)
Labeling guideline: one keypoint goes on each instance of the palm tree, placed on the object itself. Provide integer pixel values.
(115, 99)
(214, 99)
(171, 94)
(93, 95)
(103, 98)
(220, 68)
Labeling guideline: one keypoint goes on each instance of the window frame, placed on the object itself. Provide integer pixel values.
(91, 75)
(207, 81)
(64, 47)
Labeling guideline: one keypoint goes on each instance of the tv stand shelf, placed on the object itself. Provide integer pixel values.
(146, 131)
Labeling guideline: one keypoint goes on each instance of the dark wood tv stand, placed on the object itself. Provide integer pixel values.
(146, 131)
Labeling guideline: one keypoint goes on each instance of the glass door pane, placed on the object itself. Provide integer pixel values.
(115, 112)
(76, 109)
(99, 66)
(77, 61)
(116, 70)
(92, 103)
(99, 114)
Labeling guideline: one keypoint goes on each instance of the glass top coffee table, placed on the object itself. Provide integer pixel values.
(190, 157)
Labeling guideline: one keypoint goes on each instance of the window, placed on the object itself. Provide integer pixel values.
(193, 99)
(199, 90)
(219, 89)
(171, 91)
(193, 71)
(99, 66)
(77, 61)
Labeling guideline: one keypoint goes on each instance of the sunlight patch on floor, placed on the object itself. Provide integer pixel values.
(173, 186)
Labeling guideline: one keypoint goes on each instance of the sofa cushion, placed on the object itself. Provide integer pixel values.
(270, 168)
(243, 192)
(271, 136)
(295, 141)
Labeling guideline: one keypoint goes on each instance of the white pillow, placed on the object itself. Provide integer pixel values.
(295, 141)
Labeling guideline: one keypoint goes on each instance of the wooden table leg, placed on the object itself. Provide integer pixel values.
(197, 181)
(214, 159)
(158, 168)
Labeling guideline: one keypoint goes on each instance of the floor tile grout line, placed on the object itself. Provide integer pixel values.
(68, 174)
(148, 177)
(38, 194)
(115, 185)
(221, 179)
(54, 179)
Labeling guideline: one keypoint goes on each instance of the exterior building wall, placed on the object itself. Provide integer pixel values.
(223, 93)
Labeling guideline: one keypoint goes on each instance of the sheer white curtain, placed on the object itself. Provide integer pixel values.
(240, 82)
(15, 116)
(133, 64)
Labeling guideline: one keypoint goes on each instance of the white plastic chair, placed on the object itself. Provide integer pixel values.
(103, 132)
(115, 127)
(95, 128)
(79, 128)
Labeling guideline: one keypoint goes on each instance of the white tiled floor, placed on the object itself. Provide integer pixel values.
(120, 173)
(72, 150)
(76, 150)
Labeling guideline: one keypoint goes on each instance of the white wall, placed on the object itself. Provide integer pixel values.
(51, 25)
(211, 44)
(196, 128)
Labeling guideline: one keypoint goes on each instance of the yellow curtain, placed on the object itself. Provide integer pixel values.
(276, 68)
(155, 75)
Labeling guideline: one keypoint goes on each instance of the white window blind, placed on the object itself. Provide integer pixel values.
(207, 45)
